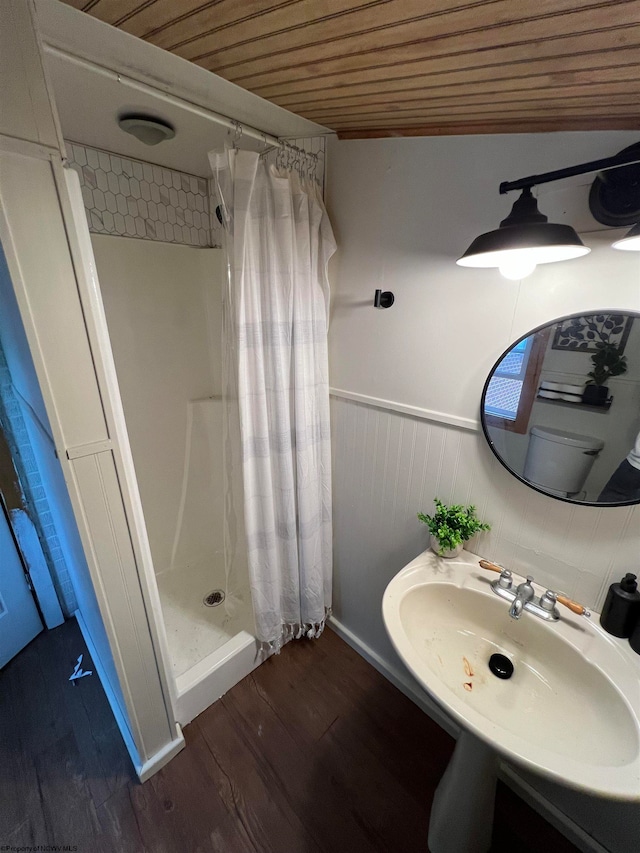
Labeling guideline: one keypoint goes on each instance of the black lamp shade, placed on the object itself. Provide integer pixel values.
(631, 241)
(524, 232)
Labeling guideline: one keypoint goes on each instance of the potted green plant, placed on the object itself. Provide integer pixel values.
(607, 362)
(597, 330)
(451, 526)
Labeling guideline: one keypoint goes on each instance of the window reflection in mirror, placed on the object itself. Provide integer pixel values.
(561, 408)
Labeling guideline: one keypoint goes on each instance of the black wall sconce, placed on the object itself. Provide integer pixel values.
(525, 238)
(383, 299)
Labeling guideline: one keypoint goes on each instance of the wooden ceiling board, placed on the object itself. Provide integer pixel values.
(412, 117)
(209, 34)
(117, 11)
(537, 125)
(326, 59)
(492, 94)
(394, 67)
(501, 60)
(289, 25)
(167, 23)
(320, 41)
(482, 124)
(147, 20)
(589, 68)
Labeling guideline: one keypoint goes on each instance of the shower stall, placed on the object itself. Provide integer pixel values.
(164, 309)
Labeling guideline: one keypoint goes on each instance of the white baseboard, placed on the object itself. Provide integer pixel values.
(509, 775)
(162, 757)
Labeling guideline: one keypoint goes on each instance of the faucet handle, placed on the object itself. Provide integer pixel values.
(504, 580)
(493, 567)
(574, 606)
(550, 598)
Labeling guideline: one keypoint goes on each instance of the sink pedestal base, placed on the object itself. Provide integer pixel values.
(462, 810)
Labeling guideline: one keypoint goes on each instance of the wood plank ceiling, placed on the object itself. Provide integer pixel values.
(411, 67)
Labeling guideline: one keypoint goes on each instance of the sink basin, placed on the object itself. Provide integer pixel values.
(571, 709)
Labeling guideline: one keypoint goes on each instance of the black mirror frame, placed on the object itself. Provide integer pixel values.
(485, 428)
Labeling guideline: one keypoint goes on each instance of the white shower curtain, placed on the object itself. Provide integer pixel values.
(279, 241)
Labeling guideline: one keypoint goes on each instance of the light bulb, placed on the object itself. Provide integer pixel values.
(631, 241)
(516, 268)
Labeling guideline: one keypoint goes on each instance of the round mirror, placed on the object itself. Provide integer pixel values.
(561, 409)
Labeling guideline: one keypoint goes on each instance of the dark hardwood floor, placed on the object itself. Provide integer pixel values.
(313, 753)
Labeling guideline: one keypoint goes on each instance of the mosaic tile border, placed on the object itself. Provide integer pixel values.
(132, 198)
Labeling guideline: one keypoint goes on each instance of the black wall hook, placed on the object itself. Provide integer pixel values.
(383, 300)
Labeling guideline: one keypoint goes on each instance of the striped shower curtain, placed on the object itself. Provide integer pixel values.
(278, 241)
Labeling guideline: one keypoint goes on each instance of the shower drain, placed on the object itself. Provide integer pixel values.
(214, 598)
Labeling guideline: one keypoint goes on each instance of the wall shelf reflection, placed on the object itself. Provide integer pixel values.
(603, 408)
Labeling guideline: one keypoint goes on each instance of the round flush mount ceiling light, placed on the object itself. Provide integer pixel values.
(523, 240)
(151, 131)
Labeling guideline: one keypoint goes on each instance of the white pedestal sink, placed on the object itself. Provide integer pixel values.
(462, 809)
(570, 711)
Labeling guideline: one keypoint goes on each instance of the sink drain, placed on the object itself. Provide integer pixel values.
(213, 599)
(501, 666)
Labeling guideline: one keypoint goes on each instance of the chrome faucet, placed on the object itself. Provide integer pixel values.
(524, 593)
(522, 598)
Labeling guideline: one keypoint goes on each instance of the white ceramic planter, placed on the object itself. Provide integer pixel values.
(434, 543)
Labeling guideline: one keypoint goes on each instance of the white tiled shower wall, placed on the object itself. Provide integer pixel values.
(132, 198)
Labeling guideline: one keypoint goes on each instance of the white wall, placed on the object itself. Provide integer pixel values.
(25, 109)
(164, 312)
(403, 210)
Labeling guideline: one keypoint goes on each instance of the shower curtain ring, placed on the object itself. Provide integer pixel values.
(237, 135)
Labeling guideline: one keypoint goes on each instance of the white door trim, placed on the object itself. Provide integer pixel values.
(33, 556)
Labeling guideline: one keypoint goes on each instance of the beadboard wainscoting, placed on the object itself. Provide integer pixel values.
(388, 465)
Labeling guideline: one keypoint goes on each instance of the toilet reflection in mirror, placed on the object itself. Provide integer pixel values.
(561, 408)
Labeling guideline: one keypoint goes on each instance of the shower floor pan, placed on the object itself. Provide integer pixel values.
(210, 651)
